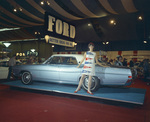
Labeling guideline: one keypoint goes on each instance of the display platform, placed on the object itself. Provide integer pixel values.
(125, 94)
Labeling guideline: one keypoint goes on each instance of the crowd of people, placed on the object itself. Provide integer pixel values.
(120, 61)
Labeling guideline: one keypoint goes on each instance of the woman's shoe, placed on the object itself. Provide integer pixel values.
(77, 91)
(90, 93)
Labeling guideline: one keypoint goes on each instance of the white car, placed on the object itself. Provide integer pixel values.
(3, 72)
(4, 68)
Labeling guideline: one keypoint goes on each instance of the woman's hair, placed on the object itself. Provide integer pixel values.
(91, 44)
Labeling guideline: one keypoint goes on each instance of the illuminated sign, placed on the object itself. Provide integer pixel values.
(28, 53)
(57, 41)
(20, 54)
(59, 28)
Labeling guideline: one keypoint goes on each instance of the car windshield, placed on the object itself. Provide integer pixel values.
(62, 60)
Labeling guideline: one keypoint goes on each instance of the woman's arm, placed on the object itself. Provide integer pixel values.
(97, 62)
(82, 60)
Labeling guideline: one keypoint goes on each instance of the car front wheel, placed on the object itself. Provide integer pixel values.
(95, 83)
(26, 78)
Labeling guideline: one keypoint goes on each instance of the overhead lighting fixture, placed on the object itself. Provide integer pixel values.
(107, 42)
(7, 44)
(7, 29)
(15, 10)
(42, 2)
(140, 18)
(104, 43)
(112, 22)
(53, 46)
(145, 41)
(89, 24)
(20, 9)
(32, 50)
(48, 3)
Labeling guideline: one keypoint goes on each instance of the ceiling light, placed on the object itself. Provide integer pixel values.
(140, 18)
(48, 3)
(20, 9)
(32, 50)
(7, 44)
(42, 2)
(103, 42)
(89, 24)
(53, 46)
(107, 42)
(7, 29)
(145, 41)
(15, 10)
(111, 21)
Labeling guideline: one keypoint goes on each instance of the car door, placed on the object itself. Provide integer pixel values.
(50, 70)
(69, 73)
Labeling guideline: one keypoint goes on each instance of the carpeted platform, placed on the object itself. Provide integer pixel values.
(127, 95)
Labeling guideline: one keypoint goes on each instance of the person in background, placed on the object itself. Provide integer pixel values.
(131, 63)
(118, 61)
(30, 60)
(11, 63)
(89, 67)
(125, 62)
(146, 68)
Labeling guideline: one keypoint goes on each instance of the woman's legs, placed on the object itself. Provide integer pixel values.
(89, 84)
(80, 83)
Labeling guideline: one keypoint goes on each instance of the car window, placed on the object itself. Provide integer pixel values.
(54, 60)
(69, 60)
(62, 60)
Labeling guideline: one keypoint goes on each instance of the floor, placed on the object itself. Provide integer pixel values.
(23, 106)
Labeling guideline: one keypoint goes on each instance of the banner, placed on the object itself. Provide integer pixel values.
(58, 41)
(59, 28)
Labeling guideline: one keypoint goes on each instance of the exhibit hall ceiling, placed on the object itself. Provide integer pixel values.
(96, 20)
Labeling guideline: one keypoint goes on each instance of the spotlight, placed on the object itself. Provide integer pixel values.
(15, 10)
(89, 24)
(140, 18)
(104, 43)
(112, 22)
(20, 9)
(107, 42)
(48, 3)
(35, 33)
(145, 41)
(42, 2)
